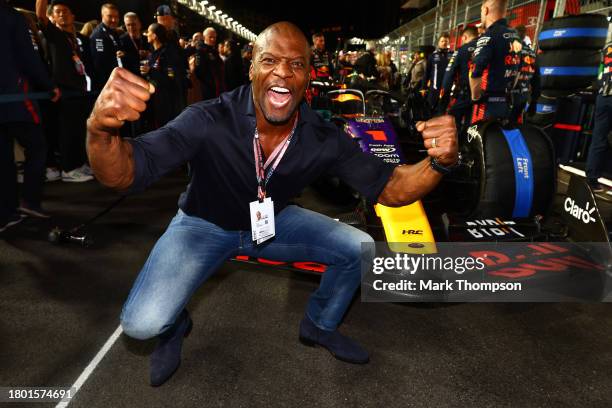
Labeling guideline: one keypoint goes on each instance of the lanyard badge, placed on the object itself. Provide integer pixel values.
(262, 210)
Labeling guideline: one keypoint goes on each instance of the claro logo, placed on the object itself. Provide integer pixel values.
(582, 214)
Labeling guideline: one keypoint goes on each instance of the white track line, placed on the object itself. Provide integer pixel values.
(92, 365)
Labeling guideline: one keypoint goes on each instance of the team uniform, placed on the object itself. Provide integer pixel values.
(104, 43)
(434, 74)
(210, 71)
(599, 151)
(21, 69)
(527, 88)
(496, 61)
(456, 85)
(72, 71)
(322, 68)
(163, 70)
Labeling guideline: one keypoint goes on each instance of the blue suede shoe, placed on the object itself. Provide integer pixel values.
(166, 357)
(340, 346)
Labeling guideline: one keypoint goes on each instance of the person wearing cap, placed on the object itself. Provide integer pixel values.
(165, 16)
(227, 142)
(105, 46)
(72, 70)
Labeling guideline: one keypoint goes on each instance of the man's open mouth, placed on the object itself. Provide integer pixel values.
(278, 96)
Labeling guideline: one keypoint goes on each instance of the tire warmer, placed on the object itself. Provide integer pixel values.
(523, 173)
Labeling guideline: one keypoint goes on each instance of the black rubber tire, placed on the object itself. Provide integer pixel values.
(486, 186)
(545, 112)
(582, 31)
(498, 195)
(568, 69)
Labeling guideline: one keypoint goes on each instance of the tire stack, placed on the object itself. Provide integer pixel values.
(569, 63)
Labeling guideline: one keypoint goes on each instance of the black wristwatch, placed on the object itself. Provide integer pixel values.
(444, 169)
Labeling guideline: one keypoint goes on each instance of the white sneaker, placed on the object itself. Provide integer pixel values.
(75, 176)
(85, 169)
(53, 174)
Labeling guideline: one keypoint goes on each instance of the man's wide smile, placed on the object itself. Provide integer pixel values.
(279, 97)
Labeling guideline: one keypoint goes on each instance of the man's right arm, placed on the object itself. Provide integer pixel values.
(123, 98)
(41, 11)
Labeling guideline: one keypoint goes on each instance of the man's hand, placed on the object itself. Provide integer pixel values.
(440, 139)
(123, 98)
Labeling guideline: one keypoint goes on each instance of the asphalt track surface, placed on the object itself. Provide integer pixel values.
(60, 304)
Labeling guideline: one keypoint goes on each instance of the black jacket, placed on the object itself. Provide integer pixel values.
(104, 44)
(21, 68)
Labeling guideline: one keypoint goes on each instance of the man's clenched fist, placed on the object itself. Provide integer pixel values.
(123, 98)
(440, 138)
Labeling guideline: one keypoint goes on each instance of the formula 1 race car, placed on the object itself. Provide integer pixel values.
(503, 191)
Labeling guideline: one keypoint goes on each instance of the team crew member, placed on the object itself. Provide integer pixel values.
(434, 72)
(227, 141)
(321, 60)
(166, 18)
(457, 74)
(71, 70)
(161, 71)
(209, 66)
(106, 51)
(599, 151)
(21, 69)
(496, 64)
(134, 46)
(527, 89)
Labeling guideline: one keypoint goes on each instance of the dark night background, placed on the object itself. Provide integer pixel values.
(365, 19)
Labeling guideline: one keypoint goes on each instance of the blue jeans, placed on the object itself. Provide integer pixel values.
(192, 249)
(598, 151)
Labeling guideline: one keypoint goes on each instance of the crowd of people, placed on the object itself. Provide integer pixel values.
(48, 54)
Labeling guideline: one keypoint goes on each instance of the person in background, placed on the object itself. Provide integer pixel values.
(247, 56)
(72, 71)
(161, 72)
(383, 67)
(527, 89)
(104, 43)
(456, 82)
(496, 64)
(232, 65)
(321, 60)
(165, 16)
(135, 48)
(434, 74)
(89, 27)
(209, 67)
(416, 72)
(22, 69)
(599, 151)
(365, 66)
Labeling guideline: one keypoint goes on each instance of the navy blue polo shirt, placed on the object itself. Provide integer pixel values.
(216, 138)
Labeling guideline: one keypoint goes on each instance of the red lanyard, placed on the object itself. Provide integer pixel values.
(276, 156)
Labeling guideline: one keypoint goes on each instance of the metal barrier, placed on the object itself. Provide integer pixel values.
(453, 15)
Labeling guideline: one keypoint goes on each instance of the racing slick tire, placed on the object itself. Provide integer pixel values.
(568, 69)
(545, 112)
(507, 172)
(583, 31)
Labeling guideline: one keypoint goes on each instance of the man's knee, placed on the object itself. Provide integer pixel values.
(142, 328)
(358, 246)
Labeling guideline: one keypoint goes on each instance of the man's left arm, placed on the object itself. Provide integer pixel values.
(409, 183)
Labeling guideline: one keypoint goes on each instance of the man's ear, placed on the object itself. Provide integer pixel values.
(251, 71)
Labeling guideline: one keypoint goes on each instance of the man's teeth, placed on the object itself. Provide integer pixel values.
(279, 89)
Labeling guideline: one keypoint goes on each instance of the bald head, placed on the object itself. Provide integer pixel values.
(282, 29)
(492, 10)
